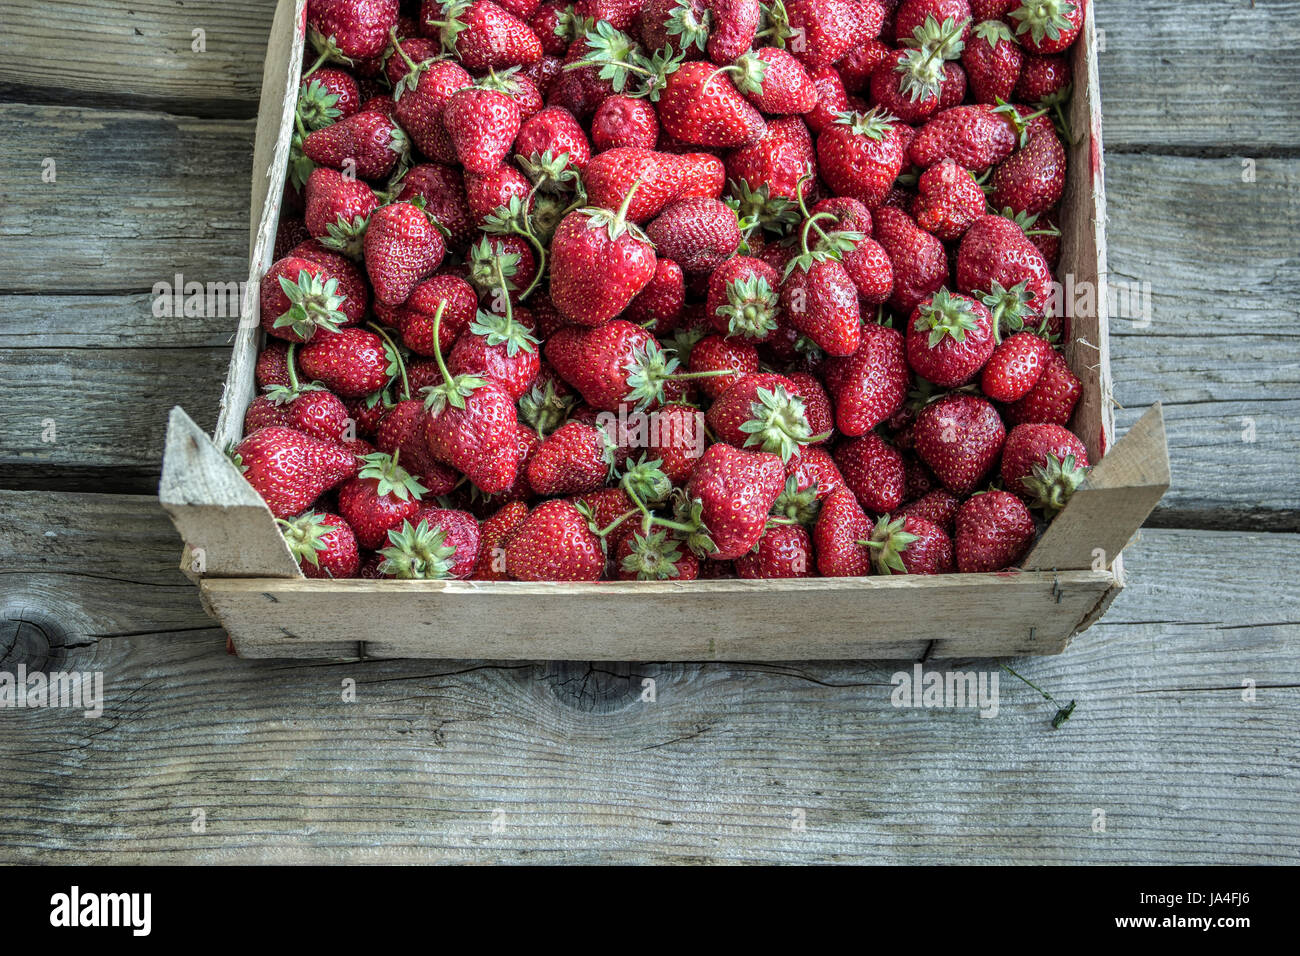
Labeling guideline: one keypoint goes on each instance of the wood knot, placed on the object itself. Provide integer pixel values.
(594, 687)
(31, 637)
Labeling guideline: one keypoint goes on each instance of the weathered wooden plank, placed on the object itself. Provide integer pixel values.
(142, 53)
(578, 767)
(106, 321)
(137, 198)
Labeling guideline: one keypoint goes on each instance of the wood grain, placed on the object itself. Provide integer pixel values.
(585, 771)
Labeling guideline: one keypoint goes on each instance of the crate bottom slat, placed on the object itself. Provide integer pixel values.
(963, 615)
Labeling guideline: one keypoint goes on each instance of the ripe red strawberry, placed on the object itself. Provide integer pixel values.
(380, 497)
(677, 442)
(761, 411)
(975, 137)
(784, 551)
(552, 146)
(1044, 81)
(1032, 179)
(857, 65)
(338, 209)
(407, 54)
(774, 81)
(308, 408)
(351, 29)
(994, 531)
(728, 499)
(654, 557)
(624, 121)
(351, 363)
(352, 285)
(810, 476)
(861, 155)
(938, 506)
(822, 31)
(1043, 464)
(1048, 26)
(658, 307)
(821, 301)
(493, 535)
(841, 527)
(960, 437)
(920, 262)
(482, 124)
(443, 190)
(872, 383)
(326, 96)
(614, 364)
(402, 246)
(414, 318)
(716, 352)
(911, 16)
(433, 544)
(486, 192)
(298, 297)
(323, 545)
(742, 299)
(500, 347)
(370, 144)
(699, 107)
(909, 84)
(735, 25)
(272, 366)
(420, 102)
(910, 545)
(289, 469)
(948, 200)
(949, 339)
(609, 176)
(1051, 400)
(993, 62)
(1015, 367)
(481, 34)
(698, 234)
(997, 264)
(400, 433)
(599, 262)
(873, 471)
(575, 459)
(992, 9)
(555, 543)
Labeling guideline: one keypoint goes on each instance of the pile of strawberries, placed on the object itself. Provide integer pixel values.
(669, 289)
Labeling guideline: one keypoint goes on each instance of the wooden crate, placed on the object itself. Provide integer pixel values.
(251, 584)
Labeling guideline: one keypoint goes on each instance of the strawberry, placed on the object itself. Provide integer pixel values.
(599, 262)
(575, 459)
(486, 192)
(380, 497)
(553, 146)
(1044, 81)
(1048, 26)
(715, 353)
(338, 210)
(950, 337)
(910, 545)
(402, 246)
(500, 347)
(442, 188)
(367, 143)
(993, 62)
(810, 476)
(415, 317)
(406, 55)
(297, 298)
(1043, 464)
(555, 543)
(493, 535)
(832, 99)
(654, 557)
(307, 408)
(872, 383)
(698, 234)
(611, 365)
(678, 442)
(623, 121)
(1015, 367)
(433, 544)
(994, 530)
(289, 469)
(912, 15)
(735, 25)
(1051, 400)
(997, 264)
(658, 307)
(948, 200)
(482, 124)
(1032, 179)
(497, 259)
(861, 155)
(821, 301)
(873, 471)
(975, 136)
(610, 175)
(761, 411)
(698, 106)
(480, 34)
(857, 65)
(960, 437)
(322, 543)
(272, 366)
(742, 298)
(552, 24)
(938, 506)
(401, 433)
(350, 29)
(326, 96)
(774, 81)
(728, 499)
(822, 31)
(352, 285)
(420, 101)
(350, 363)
(784, 551)
(681, 26)
(841, 527)
(919, 260)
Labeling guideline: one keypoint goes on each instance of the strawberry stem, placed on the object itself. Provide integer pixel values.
(397, 357)
(437, 342)
(317, 65)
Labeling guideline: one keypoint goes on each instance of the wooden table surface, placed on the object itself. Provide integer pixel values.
(203, 757)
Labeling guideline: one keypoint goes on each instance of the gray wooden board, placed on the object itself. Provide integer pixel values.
(714, 770)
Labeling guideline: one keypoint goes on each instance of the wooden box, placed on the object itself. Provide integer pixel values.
(251, 584)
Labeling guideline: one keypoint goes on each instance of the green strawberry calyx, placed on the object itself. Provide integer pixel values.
(993, 32)
(418, 553)
(650, 367)
(393, 479)
(317, 106)
(653, 557)
(799, 504)
(451, 25)
(501, 330)
(946, 315)
(543, 409)
(1043, 19)
(748, 73)
(619, 60)
(314, 303)
(1051, 485)
(921, 68)
(644, 481)
(346, 236)
(305, 536)
(778, 423)
(775, 214)
(548, 172)
(945, 38)
(874, 124)
(690, 28)
(832, 246)
(1008, 307)
(615, 222)
(750, 309)
(888, 541)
